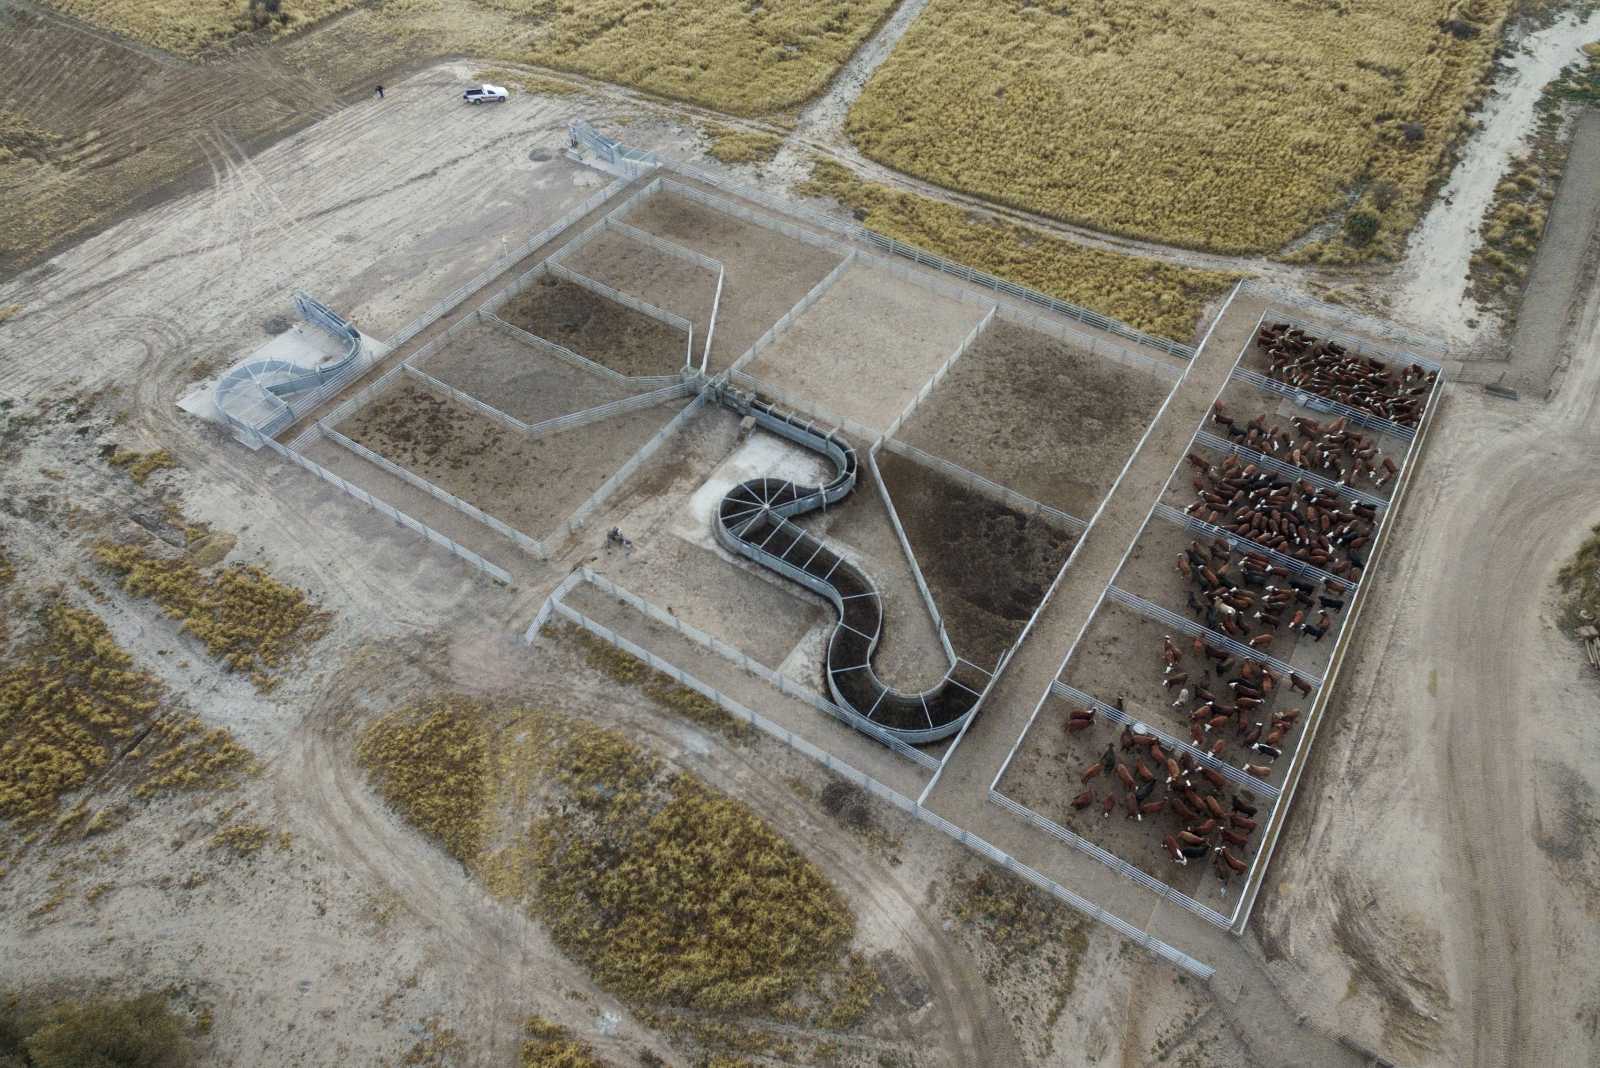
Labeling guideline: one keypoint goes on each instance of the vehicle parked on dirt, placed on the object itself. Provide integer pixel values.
(486, 94)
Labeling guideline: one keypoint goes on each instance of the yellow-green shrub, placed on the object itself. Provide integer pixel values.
(673, 893)
(1156, 297)
(68, 703)
(432, 764)
(245, 617)
(190, 26)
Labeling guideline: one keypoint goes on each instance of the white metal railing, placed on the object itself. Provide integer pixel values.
(1286, 470)
(411, 478)
(1306, 398)
(911, 558)
(1173, 743)
(1248, 546)
(813, 295)
(617, 296)
(561, 352)
(618, 154)
(938, 375)
(466, 289)
(1110, 860)
(558, 423)
(1097, 346)
(988, 487)
(581, 517)
(499, 574)
(778, 680)
(1151, 610)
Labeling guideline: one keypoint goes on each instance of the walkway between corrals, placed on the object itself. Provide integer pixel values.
(1242, 984)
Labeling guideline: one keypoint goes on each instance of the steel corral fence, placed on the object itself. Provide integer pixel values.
(558, 423)
(1172, 955)
(1278, 467)
(483, 278)
(634, 161)
(672, 319)
(1282, 796)
(784, 685)
(1017, 502)
(499, 574)
(1350, 319)
(561, 352)
(911, 556)
(411, 478)
(1096, 346)
(938, 376)
(580, 517)
(1302, 754)
(776, 330)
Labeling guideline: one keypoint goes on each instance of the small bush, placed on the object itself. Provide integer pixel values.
(141, 465)
(1360, 227)
(137, 1032)
(675, 894)
(551, 1046)
(738, 146)
(1156, 297)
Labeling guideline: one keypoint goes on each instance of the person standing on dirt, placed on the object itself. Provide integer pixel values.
(379, 91)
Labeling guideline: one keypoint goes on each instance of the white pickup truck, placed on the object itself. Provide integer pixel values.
(486, 94)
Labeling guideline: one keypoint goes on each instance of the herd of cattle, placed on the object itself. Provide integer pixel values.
(1326, 367)
(1332, 449)
(1290, 516)
(1189, 806)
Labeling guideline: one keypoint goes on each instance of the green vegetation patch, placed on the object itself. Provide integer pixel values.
(192, 26)
(68, 703)
(1580, 581)
(549, 1045)
(141, 465)
(134, 1032)
(1155, 297)
(657, 685)
(1233, 125)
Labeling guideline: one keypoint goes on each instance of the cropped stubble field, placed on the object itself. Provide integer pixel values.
(1234, 125)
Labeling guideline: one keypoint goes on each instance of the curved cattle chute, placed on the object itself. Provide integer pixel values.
(754, 520)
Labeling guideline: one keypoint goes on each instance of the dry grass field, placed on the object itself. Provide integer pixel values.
(1155, 297)
(193, 26)
(1235, 126)
(741, 57)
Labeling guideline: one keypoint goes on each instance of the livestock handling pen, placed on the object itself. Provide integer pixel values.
(1256, 775)
(754, 519)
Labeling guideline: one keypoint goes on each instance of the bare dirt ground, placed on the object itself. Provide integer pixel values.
(987, 565)
(610, 334)
(1039, 416)
(865, 348)
(519, 379)
(532, 484)
(766, 273)
(669, 282)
